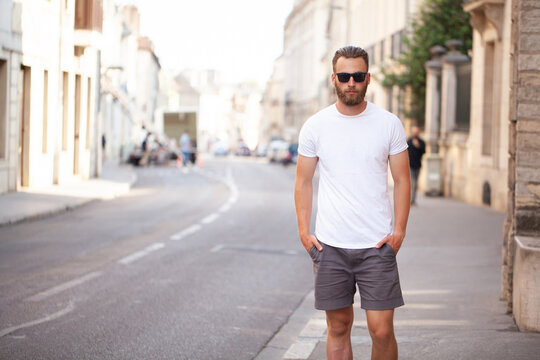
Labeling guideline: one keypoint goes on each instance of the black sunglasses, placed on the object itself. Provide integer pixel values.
(357, 76)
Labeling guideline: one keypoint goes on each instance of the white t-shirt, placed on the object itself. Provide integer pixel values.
(354, 209)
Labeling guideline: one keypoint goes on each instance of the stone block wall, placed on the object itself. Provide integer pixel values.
(523, 214)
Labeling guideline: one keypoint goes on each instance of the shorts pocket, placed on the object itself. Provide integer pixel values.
(391, 249)
(315, 254)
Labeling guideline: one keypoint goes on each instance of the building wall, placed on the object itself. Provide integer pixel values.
(385, 26)
(273, 106)
(130, 83)
(45, 46)
(490, 101)
(10, 54)
(304, 47)
(521, 258)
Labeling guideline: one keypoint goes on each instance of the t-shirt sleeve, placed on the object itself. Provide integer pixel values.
(398, 141)
(307, 144)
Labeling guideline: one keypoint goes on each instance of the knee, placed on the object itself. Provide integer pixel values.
(382, 334)
(341, 328)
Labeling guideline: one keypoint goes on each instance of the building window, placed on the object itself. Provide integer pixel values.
(487, 120)
(65, 113)
(45, 109)
(396, 45)
(371, 54)
(88, 112)
(390, 93)
(88, 15)
(402, 45)
(77, 127)
(382, 50)
(24, 137)
(3, 108)
(463, 98)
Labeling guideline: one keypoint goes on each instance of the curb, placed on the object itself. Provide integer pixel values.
(287, 335)
(52, 207)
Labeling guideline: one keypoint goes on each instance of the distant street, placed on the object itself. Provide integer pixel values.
(191, 264)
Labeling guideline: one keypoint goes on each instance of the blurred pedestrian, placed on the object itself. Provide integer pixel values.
(145, 149)
(353, 141)
(103, 147)
(185, 147)
(417, 148)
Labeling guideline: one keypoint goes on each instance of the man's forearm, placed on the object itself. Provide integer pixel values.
(303, 198)
(402, 198)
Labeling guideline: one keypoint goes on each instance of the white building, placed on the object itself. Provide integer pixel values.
(273, 106)
(306, 71)
(130, 83)
(50, 71)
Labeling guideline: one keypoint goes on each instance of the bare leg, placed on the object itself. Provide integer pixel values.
(381, 328)
(338, 344)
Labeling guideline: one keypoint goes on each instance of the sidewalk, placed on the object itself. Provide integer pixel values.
(450, 271)
(37, 203)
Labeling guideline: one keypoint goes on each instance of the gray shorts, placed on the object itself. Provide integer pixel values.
(338, 271)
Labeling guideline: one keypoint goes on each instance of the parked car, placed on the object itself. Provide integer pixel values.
(261, 151)
(277, 150)
(220, 151)
(291, 156)
(243, 150)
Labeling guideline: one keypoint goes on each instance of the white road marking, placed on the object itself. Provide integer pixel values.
(225, 207)
(314, 328)
(226, 179)
(140, 254)
(300, 350)
(427, 292)
(424, 306)
(420, 322)
(217, 248)
(431, 322)
(62, 287)
(187, 231)
(210, 218)
(56, 315)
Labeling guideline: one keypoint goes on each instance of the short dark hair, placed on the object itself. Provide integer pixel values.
(350, 52)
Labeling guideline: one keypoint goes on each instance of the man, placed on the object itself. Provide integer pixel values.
(353, 141)
(417, 148)
(185, 147)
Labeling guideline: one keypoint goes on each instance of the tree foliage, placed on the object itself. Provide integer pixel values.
(436, 22)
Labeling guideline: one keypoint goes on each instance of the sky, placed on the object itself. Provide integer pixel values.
(240, 38)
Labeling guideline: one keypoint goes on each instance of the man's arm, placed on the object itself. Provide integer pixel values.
(303, 199)
(399, 167)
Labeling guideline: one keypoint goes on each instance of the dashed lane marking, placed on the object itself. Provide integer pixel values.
(186, 232)
(210, 218)
(65, 286)
(226, 179)
(217, 248)
(140, 254)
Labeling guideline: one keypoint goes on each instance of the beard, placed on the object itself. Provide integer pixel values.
(351, 99)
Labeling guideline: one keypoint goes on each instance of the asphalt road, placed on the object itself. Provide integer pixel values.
(197, 264)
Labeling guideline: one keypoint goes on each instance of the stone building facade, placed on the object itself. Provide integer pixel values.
(486, 167)
(49, 90)
(521, 249)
